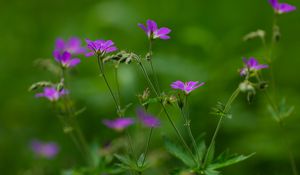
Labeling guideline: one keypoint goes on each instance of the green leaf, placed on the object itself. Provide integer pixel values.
(211, 154)
(140, 160)
(224, 160)
(201, 149)
(211, 172)
(178, 152)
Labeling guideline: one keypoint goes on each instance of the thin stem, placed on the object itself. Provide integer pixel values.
(101, 68)
(166, 112)
(285, 137)
(117, 102)
(179, 134)
(188, 127)
(226, 109)
(75, 133)
(287, 144)
(152, 67)
(118, 85)
(147, 146)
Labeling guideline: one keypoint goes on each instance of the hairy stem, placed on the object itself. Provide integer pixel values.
(226, 110)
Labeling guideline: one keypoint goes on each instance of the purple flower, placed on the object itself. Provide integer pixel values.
(99, 47)
(118, 124)
(66, 59)
(73, 46)
(281, 7)
(251, 65)
(187, 87)
(52, 93)
(147, 119)
(47, 150)
(154, 32)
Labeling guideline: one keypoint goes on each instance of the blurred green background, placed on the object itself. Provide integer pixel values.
(206, 44)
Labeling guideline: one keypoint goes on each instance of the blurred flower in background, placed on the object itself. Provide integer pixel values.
(44, 149)
(154, 32)
(118, 124)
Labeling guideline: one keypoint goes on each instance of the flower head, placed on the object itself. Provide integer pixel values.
(154, 32)
(147, 119)
(281, 7)
(52, 93)
(47, 150)
(251, 65)
(66, 59)
(99, 47)
(118, 124)
(187, 87)
(73, 46)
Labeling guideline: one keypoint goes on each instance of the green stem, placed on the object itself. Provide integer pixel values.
(75, 133)
(147, 147)
(152, 67)
(166, 112)
(118, 86)
(188, 127)
(226, 109)
(101, 68)
(283, 132)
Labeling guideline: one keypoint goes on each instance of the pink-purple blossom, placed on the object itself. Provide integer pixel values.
(99, 47)
(147, 119)
(153, 31)
(73, 46)
(52, 93)
(118, 124)
(66, 59)
(251, 65)
(281, 7)
(44, 149)
(187, 87)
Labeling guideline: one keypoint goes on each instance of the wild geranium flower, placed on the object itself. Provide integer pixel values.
(147, 119)
(52, 93)
(251, 65)
(154, 32)
(44, 149)
(73, 46)
(66, 59)
(99, 47)
(118, 124)
(187, 87)
(281, 7)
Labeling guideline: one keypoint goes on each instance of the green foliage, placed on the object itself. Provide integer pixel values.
(179, 153)
(282, 111)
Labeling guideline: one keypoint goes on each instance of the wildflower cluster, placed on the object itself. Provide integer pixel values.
(197, 157)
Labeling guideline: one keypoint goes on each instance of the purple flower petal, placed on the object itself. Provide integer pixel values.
(118, 124)
(162, 33)
(152, 26)
(59, 44)
(51, 93)
(73, 46)
(147, 120)
(281, 7)
(153, 32)
(142, 26)
(186, 87)
(251, 65)
(178, 85)
(47, 150)
(74, 62)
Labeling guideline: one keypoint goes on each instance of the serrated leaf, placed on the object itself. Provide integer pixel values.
(225, 160)
(178, 152)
